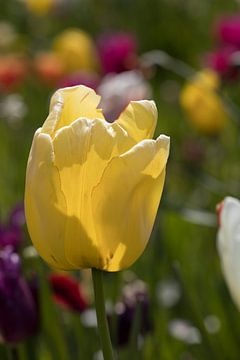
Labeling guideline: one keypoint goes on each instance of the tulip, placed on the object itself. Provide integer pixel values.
(117, 90)
(202, 104)
(228, 30)
(11, 232)
(222, 61)
(39, 7)
(76, 50)
(49, 67)
(67, 292)
(228, 241)
(117, 52)
(92, 187)
(13, 70)
(89, 79)
(134, 295)
(18, 311)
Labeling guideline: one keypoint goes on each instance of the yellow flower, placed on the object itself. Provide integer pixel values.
(39, 7)
(203, 106)
(93, 187)
(76, 49)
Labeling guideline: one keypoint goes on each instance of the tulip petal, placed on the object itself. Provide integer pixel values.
(125, 202)
(229, 245)
(82, 152)
(69, 104)
(45, 203)
(139, 119)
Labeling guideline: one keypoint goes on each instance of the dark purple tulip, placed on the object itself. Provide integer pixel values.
(134, 295)
(117, 52)
(11, 232)
(17, 216)
(80, 78)
(228, 30)
(18, 314)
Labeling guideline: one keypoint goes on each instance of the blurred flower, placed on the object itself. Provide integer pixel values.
(13, 70)
(76, 146)
(212, 324)
(13, 109)
(228, 241)
(134, 295)
(193, 153)
(18, 313)
(168, 292)
(184, 331)
(222, 61)
(86, 78)
(67, 292)
(49, 67)
(117, 52)
(8, 35)
(11, 232)
(228, 30)
(39, 7)
(76, 50)
(202, 104)
(117, 90)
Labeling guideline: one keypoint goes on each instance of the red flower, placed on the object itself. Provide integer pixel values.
(67, 292)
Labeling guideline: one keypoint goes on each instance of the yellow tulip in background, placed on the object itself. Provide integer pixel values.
(76, 49)
(39, 7)
(93, 187)
(203, 106)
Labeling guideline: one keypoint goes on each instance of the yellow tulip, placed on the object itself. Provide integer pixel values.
(93, 187)
(76, 49)
(203, 106)
(39, 7)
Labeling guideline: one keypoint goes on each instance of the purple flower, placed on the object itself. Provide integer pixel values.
(18, 313)
(80, 78)
(228, 30)
(134, 295)
(117, 52)
(11, 232)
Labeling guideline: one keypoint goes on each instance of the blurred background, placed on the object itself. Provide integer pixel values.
(173, 303)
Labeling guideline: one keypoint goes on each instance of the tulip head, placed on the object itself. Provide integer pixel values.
(18, 311)
(39, 7)
(76, 50)
(92, 187)
(229, 244)
(202, 105)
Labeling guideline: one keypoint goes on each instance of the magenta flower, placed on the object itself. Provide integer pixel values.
(221, 61)
(228, 30)
(18, 312)
(117, 52)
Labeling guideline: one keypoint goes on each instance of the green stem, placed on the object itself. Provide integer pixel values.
(101, 315)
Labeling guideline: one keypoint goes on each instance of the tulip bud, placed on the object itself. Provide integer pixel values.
(93, 188)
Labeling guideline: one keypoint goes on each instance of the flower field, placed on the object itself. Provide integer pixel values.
(138, 184)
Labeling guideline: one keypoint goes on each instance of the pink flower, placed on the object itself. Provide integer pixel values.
(221, 61)
(228, 30)
(117, 52)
